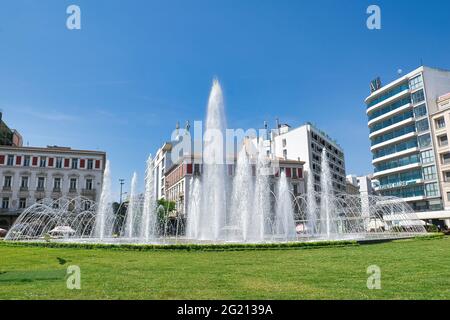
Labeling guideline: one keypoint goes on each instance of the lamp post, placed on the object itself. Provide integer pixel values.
(122, 182)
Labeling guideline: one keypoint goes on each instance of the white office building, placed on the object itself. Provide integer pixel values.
(404, 154)
(306, 143)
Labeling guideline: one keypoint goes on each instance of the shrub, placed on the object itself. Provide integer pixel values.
(186, 247)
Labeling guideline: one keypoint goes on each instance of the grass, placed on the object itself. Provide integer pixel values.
(411, 269)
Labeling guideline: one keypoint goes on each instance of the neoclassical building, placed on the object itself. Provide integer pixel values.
(29, 175)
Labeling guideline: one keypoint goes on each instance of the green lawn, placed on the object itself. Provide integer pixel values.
(411, 269)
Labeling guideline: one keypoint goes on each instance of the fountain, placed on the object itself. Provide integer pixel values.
(148, 229)
(213, 187)
(241, 205)
(327, 212)
(104, 223)
(222, 207)
(132, 219)
(284, 214)
(312, 204)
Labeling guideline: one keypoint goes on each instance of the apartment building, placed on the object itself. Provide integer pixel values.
(306, 143)
(404, 152)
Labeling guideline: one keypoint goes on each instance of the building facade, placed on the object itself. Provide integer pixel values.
(29, 175)
(440, 125)
(162, 160)
(306, 143)
(404, 152)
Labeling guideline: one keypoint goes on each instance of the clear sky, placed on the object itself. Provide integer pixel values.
(137, 67)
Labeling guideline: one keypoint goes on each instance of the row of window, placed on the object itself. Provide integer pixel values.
(388, 94)
(408, 192)
(41, 182)
(390, 107)
(393, 120)
(23, 204)
(391, 164)
(52, 162)
(425, 157)
(401, 177)
(394, 134)
(401, 146)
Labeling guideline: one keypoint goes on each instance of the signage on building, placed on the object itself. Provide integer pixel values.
(375, 84)
(397, 184)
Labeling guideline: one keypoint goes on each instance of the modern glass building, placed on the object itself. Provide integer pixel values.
(404, 155)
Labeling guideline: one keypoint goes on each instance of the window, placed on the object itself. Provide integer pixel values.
(417, 96)
(73, 184)
(446, 175)
(90, 164)
(429, 173)
(285, 154)
(26, 161)
(88, 184)
(420, 111)
(443, 140)
(424, 140)
(284, 143)
(59, 163)
(24, 183)
(5, 203)
(416, 82)
(448, 196)
(427, 156)
(7, 182)
(74, 163)
(43, 162)
(432, 190)
(445, 158)
(22, 203)
(422, 125)
(439, 123)
(10, 160)
(41, 183)
(57, 184)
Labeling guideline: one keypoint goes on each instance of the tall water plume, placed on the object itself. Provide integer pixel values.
(149, 215)
(132, 219)
(194, 207)
(241, 200)
(284, 214)
(312, 204)
(214, 186)
(327, 221)
(261, 201)
(104, 221)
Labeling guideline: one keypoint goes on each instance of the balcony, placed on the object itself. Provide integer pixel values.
(7, 188)
(393, 140)
(392, 127)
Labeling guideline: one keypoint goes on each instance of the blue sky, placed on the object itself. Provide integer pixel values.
(136, 67)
